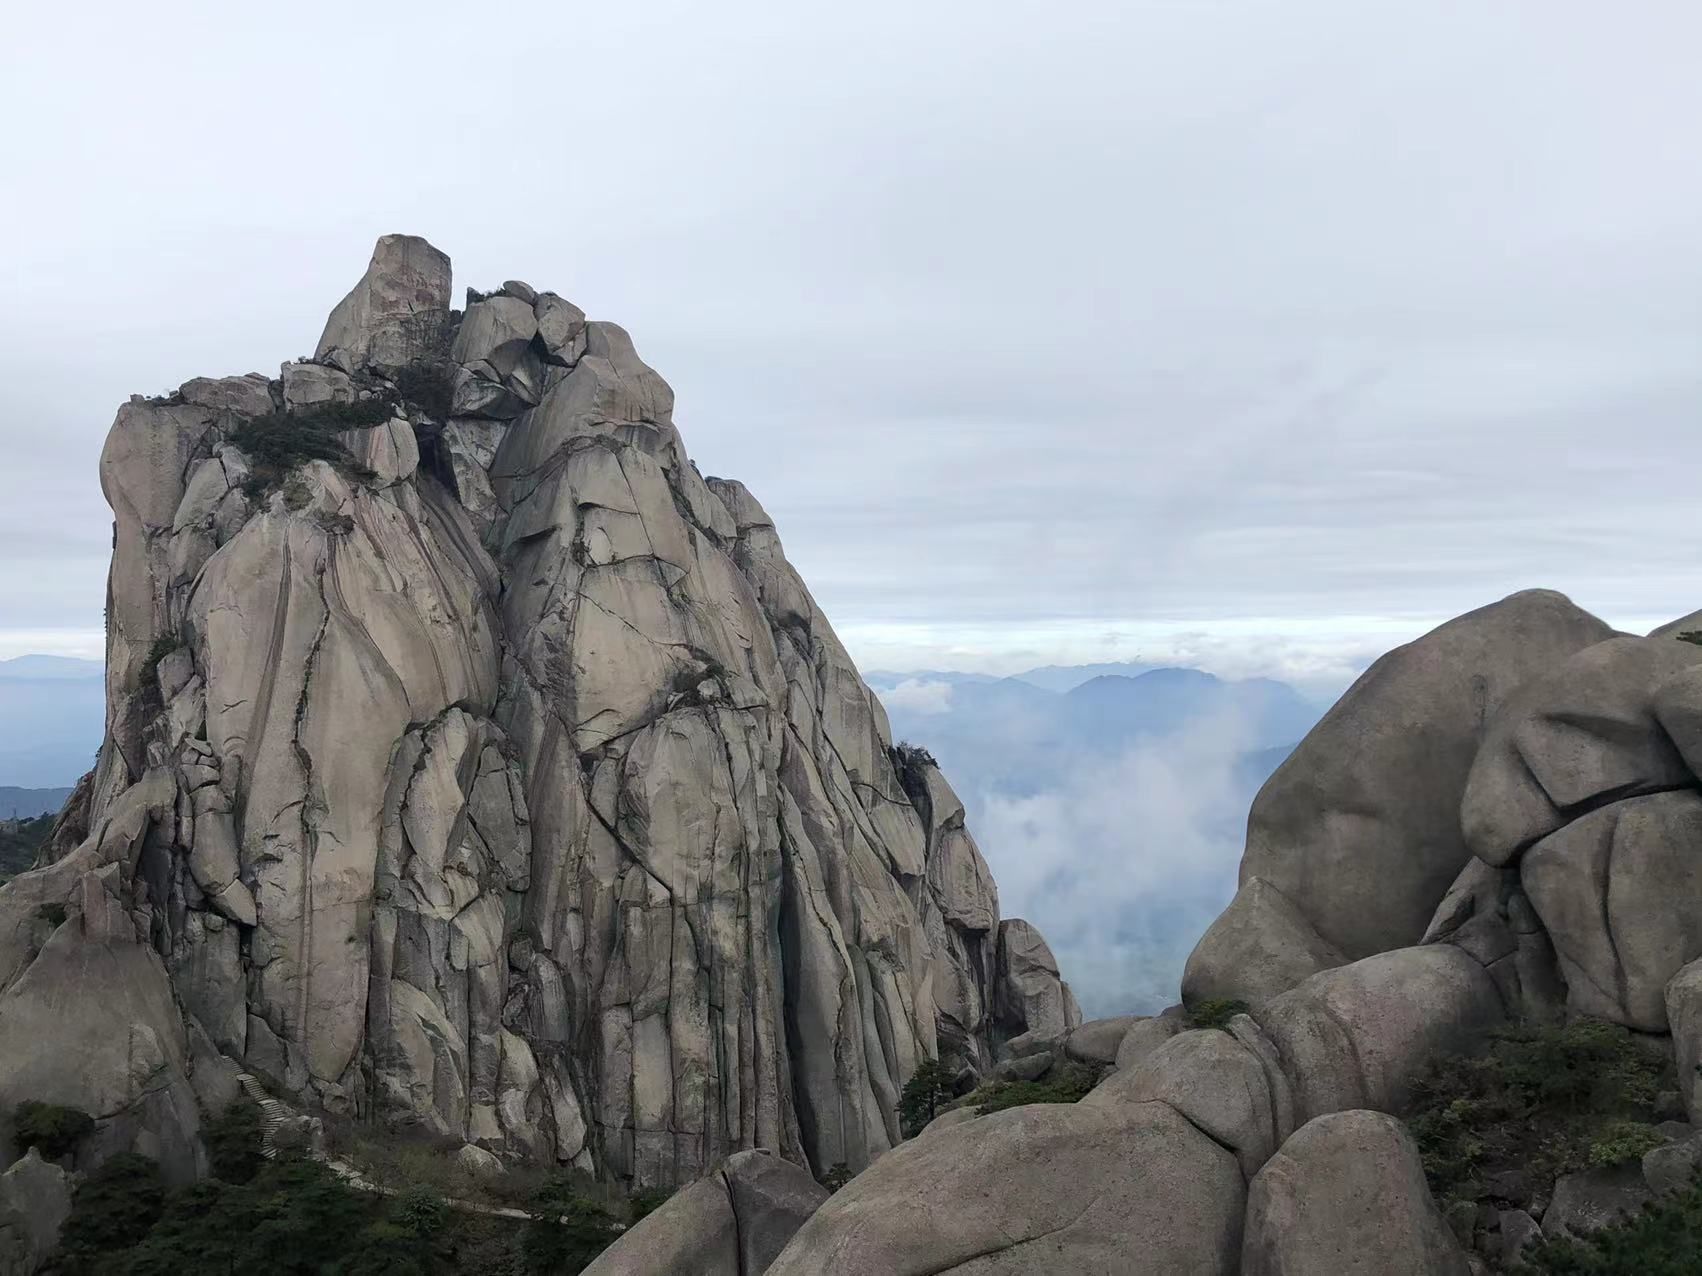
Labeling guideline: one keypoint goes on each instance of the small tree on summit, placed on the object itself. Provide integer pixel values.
(925, 1096)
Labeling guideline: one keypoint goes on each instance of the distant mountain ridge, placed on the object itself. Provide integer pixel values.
(1015, 737)
(25, 804)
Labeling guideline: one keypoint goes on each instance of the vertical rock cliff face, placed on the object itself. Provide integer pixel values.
(474, 762)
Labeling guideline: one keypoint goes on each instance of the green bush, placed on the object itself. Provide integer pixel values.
(1691, 635)
(647, 1203)
(1541, 1101)
(276, 444)
(1663, 1239)
(233, 1142)
(112, 1209)
(567, 1231)
(428, 384)
(1065, 1083)
(1215, 1012)
(53, 914)
(837, 1177)
(924, 1097)
(50, 1129)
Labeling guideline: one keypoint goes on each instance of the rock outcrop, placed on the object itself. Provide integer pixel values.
(1048, 1188)
(1347, 1194)
(473, 763)
(733, 1222)
(1360, 827)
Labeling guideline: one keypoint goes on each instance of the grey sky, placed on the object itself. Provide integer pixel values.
(1261, 333)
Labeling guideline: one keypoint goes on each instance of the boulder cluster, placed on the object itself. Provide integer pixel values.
(474, 765)
(1497, 824)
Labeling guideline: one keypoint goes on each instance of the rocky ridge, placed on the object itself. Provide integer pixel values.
(472, 763)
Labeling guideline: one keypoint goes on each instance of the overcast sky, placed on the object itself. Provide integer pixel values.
(1262, 334)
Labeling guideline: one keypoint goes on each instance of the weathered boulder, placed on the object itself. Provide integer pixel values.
(1684, 1020)
(1213, 1080)
(1147, 1035)
(1487, 914)
(1052, 1187)
(1687, 624)
(734, 1222)
(35, 1201)
(1359, 828)
(1260, 946)
(1619, 892)
(91, 1024)
(244, 396)
(1031, 996)
(1097, 1040)
(1574, 736)
(1673, 1166)
(1677, 706)
(396, 313)
(1359, 1035)
(1346, 1194)
(1517, 1230)
(1591, 1199)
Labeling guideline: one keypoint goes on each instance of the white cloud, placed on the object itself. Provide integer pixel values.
(919, 696)
(1125, 863)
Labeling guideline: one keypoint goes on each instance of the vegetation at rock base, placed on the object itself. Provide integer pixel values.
(297, 1217)
(1066, 1083)
(233, 1142)
(1540, 1102)
(925, 1096)
(1663, 1239)
(1215, 1012)
(837, 1177)
(50, 1129)
(18, 846)
(275, 444)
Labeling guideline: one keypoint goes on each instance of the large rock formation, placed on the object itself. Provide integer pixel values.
(1360, 827)
(473, 762)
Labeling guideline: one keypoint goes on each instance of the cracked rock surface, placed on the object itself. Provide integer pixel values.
(491, 771)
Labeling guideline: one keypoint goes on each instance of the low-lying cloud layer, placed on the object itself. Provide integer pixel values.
(1126, 863)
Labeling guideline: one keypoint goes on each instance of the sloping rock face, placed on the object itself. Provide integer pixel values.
(1347, 1194)
(734, 1222)
(493, 771)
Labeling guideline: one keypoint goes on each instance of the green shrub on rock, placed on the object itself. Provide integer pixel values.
(233, 1142)
(1541, 1101)
(1065, 1083)
(1663, 1239)
(50, 1129)
(1215, 1012)
(925, 1096)
(567, 1231)
(278, 443)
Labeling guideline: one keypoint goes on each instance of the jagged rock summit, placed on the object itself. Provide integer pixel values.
(474, 763)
